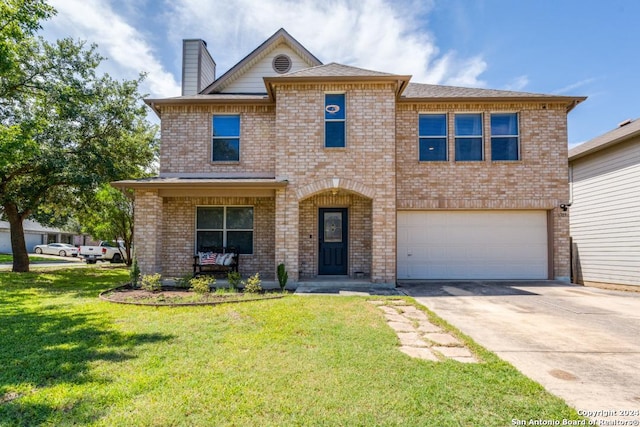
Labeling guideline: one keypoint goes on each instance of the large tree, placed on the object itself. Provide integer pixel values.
(64, 130)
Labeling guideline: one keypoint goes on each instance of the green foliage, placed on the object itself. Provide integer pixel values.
(283, 276)
(134, 273)
(202, 284)
(253, 284)
(64, 129)
(234, 279)
(151, 282)
(19, 20)
(184, 281)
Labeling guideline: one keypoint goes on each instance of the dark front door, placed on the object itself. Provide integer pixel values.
(332, 236)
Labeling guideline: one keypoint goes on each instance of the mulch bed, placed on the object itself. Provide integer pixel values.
(172, 296)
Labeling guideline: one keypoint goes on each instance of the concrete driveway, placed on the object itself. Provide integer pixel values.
(582, 344)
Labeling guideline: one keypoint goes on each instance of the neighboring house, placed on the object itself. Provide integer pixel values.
(335, 170)
(34, 234)
(605, 210)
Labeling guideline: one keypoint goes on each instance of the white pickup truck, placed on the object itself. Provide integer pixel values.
(105, 251)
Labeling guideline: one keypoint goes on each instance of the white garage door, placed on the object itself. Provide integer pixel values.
(472, 245)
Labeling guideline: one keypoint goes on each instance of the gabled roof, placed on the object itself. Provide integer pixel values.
(334, 72)
(616, 136)
(280, 36)
(427, 92)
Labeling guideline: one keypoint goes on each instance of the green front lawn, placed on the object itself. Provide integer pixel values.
(8, 258)
(68, 358)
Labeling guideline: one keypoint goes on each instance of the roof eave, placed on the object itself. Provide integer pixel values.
(570, 101)
(200, 184)
(401, 81)
(583, 153)
(155, 104)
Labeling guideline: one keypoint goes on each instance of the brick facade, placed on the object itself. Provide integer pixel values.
(374, 176)
(538, 181)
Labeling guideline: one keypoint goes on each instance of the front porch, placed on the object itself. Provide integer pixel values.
(332, 230)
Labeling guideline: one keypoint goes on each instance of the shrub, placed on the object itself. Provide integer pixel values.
(283, 276)
(134, 273)
(253, 284)
(184, 281)
(234, 279)
(151, 282)
(202, 284)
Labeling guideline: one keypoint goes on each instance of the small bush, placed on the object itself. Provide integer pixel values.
(234, 279)
(253, 284)
(202, 284)
(283, 276)
(151, 282)
(134, 273)
(184, 281)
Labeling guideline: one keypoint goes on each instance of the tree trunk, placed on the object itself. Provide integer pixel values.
(18, 245)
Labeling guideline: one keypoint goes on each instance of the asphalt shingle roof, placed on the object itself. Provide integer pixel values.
(612, 137)
(334, 69)
(420, 90)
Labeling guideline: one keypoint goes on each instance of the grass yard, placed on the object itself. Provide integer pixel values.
(8, 258)
(68, 358)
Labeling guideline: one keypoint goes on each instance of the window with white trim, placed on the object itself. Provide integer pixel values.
(225, 226)
(432, 133)
(505, 136)
(468, 128)
(334, 120)
(225, 146)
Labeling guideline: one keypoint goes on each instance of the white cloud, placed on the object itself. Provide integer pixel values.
(376, 34)
(574, 86)
(125, 47)
(517, 84)
(372, 34)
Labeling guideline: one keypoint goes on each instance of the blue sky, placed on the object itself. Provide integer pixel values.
(565, 47)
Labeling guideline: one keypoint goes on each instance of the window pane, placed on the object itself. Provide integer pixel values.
(226, 126)
(433, 149)
(334, 134)
(334, 106)
(226, 150)
(208, 239)
(210, 218)
(433, 125)
(240, 218)
(241, 240)
(504, 124)
(468, 124)
(504, 148)
(468, 149)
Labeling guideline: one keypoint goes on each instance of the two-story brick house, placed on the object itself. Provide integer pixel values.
(340, 171)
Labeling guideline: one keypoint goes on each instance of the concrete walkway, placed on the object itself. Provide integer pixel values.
(582, 344)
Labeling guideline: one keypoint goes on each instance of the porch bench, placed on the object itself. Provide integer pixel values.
(212, 260)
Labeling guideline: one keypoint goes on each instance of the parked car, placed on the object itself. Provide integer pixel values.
(62, 249)
(105, 251)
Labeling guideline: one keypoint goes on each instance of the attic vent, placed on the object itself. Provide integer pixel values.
(281, 64)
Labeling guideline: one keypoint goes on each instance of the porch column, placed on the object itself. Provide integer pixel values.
(286, 239)
(383, 241)
(148, 231)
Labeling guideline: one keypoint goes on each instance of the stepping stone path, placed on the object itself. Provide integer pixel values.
(419, 337)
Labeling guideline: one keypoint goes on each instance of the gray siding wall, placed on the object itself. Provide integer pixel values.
(198, 68)
(605, 216)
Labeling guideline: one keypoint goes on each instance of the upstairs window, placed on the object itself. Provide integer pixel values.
(468, 137)
(225, 226)
(226, 138)
(432, 132)
(334, 120)
(504, 136)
